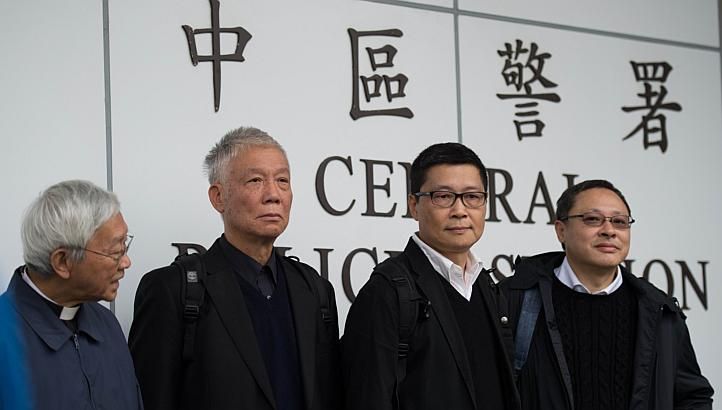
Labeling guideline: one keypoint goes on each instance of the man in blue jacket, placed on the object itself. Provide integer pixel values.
(589, 334)
(70, 350)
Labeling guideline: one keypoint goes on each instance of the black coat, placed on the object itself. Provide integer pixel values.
(665, 375)
(228, 371)
(438, 372)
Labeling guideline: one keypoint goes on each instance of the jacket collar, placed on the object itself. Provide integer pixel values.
(650, 294)
(428, 281)
(40, 317)
(227, 297)
(451, 272)
(223, 289)
(530, 270)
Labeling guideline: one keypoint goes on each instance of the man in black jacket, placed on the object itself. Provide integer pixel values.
(261, 340)
(437, 293)
(589, 334)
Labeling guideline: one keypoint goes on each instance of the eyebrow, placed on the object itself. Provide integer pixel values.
(597, 210)
(264, 171)
(468, 188)
(119, 239)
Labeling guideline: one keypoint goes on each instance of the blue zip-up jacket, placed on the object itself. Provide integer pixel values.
(91, 369)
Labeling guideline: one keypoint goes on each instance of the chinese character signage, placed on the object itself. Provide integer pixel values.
(522, 71)
(381, 81)
(242, 38)
(654, 122)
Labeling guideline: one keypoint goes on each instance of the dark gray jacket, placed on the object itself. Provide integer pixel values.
(666, 373)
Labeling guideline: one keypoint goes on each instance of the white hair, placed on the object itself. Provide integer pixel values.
(230, 145)
(66, 215)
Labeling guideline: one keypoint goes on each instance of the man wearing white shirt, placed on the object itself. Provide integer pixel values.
(426, 331)
(598, 337)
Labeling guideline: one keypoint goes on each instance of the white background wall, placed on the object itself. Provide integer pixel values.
(296, 84)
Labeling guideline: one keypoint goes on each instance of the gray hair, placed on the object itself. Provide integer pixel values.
(65, 215)
(230, 145)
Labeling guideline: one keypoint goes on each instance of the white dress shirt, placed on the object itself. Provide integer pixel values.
(566, 275)
(451, 272)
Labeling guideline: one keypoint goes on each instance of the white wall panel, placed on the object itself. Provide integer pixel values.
(296, 83)
(52, 120)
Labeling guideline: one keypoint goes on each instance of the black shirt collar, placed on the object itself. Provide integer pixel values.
(246, 266)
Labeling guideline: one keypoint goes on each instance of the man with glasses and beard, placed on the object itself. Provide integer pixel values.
(589, 334)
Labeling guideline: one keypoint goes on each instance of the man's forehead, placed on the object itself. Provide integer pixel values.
(254, 151)
(452, 174)
(598, 197)
(113, 230)
(260, 158)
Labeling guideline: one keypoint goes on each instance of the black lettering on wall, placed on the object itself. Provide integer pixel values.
(570, 179)
(687, 277)
(495, 195)
(500, 274)
(183, 248)
(321, 185)
(392, 253)
(667, 274)
(407, 169)
(282, 250)
(323, 255)
(541, 186)
(371, 187)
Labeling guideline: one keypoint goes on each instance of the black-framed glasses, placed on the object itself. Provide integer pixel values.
(597, 219)
(447, 199)
(117, 256)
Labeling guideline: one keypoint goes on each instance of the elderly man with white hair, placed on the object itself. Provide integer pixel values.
(71, 349)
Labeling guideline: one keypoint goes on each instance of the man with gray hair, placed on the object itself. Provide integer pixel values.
(263, 332)
(72, 350)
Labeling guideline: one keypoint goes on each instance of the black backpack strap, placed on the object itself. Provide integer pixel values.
(317, 287)
(411, 301)
(193, 274)
(530, 308)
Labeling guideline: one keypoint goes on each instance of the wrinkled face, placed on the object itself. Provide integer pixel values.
(450, 231)
(593, 249)
(255, 198)
(97, 277)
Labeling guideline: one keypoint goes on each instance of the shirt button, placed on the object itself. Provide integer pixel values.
(504, 320)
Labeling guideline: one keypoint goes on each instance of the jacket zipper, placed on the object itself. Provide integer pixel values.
(76, 342)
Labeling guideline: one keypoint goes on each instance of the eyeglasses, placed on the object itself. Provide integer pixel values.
(447, 199)
(597, 219)
(117, 256)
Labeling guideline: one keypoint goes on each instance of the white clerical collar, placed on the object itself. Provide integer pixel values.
(566, 275)
(451, 272)
(67, 313)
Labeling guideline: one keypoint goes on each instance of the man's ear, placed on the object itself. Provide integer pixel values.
(561, 230)
(215, 195)
(412, 201)
(61, 263)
